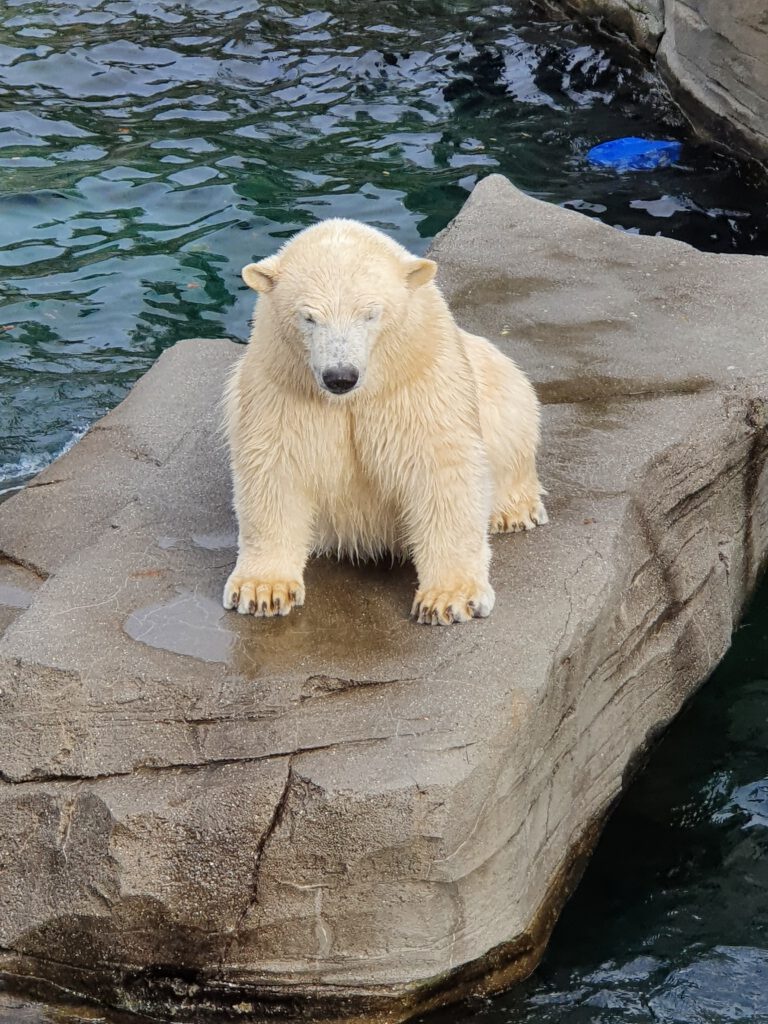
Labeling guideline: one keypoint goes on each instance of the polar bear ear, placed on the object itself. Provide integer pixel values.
(419, 272)
(262, 276)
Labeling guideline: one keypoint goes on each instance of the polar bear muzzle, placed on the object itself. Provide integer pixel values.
(340, 379)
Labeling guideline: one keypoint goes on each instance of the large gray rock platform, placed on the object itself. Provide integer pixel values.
(713, 54)
(342, 814)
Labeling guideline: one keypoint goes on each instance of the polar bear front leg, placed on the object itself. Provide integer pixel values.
(447, 518)
(273, 548)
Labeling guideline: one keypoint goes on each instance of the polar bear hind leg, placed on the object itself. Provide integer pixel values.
(509, 421)
(519, 505)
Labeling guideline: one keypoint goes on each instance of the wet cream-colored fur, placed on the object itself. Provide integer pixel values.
(433, 445)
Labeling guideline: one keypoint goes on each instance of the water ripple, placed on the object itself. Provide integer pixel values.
(149, 150)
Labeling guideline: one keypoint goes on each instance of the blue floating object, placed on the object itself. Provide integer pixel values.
(633, 154)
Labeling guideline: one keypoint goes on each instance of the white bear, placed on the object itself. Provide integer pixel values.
(362, 420)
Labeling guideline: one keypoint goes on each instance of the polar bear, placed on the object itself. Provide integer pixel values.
(362, 420)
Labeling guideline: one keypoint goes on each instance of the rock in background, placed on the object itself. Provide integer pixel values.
(713, 54)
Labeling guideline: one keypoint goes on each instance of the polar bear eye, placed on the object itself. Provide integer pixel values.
(372, 314)
(308, 318)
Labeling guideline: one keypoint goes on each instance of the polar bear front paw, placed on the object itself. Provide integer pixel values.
(442, 606)
(261, 597)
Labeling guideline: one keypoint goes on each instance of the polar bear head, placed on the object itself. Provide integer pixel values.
(336, 290)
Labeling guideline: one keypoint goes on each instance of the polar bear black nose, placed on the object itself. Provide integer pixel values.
(340, 379)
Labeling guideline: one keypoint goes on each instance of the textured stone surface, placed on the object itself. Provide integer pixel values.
(713, 54)
(342, 813)
(641, 20)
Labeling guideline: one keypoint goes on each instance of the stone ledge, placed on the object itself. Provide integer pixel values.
(711, 54)
(341, 813)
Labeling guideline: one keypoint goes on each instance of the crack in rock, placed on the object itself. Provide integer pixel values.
(261, 848)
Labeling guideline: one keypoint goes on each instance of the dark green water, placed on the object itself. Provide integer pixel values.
(149, 149)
